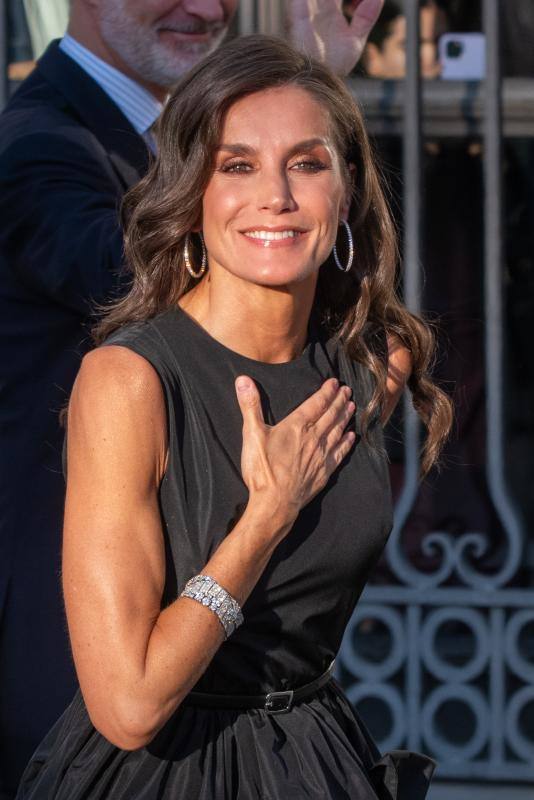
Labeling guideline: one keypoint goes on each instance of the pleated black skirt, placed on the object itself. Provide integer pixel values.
(319, 750)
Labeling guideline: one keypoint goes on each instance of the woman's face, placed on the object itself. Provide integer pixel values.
(272, 207)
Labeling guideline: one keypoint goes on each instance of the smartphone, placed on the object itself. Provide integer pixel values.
(462, 56)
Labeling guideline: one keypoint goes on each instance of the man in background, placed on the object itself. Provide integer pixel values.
(73, 139)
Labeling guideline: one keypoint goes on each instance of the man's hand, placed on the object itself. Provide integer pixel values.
(319, 28)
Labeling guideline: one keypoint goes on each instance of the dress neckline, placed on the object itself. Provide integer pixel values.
(202, 334)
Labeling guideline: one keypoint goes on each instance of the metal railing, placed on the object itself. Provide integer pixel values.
(418, 680)
(450, 109)
(4, 88)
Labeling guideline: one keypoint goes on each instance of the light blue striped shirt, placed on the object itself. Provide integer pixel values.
(138, 105)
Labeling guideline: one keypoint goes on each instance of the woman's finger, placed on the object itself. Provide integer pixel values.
(338, 413)
(338, 428)
(249, 401)
(340, 450)
(317, 404)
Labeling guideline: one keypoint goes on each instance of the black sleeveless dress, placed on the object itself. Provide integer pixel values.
(294, 618)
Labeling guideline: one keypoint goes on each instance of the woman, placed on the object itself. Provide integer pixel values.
(271, 495)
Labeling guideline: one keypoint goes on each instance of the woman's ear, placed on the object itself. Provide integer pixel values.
(344, 212)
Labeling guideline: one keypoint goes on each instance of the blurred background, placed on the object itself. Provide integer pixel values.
(439, 655)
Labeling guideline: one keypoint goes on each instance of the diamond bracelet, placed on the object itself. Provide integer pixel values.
(208, 592)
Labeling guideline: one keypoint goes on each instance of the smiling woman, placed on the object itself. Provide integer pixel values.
(273, 189)
(228, 491)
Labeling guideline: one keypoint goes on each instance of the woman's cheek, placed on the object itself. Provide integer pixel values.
(221, 209)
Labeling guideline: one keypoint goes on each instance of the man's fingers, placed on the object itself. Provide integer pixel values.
(365, 14)
(249, 401)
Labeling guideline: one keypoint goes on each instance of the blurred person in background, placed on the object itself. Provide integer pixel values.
(385, 53)
(19, 45)
(47, 20)
(73, 139)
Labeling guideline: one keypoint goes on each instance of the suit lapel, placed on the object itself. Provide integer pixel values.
(126, 149)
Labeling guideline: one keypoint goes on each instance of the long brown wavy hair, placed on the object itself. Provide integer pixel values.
(360, 306)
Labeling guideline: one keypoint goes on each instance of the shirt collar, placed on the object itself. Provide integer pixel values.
(138, 105)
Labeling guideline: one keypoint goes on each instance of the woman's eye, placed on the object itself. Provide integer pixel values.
(308, 165)
(236, 166)
(305, 165)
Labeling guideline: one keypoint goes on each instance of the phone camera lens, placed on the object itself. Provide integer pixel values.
(454, 49)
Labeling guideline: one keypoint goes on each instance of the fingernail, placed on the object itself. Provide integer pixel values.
(242, 384)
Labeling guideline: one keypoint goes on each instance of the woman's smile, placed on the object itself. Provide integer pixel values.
(274, 237)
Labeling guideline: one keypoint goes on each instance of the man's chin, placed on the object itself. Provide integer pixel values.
(167, 61)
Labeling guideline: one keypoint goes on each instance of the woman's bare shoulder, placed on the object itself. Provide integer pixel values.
(117, 370)
(117, 405)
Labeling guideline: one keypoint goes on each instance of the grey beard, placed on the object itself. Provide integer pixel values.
(141, 51)
(162, 68)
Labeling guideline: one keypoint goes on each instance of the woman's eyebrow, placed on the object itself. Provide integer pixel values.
(245, 149)
(237, 149)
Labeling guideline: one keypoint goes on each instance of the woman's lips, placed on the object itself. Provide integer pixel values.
(274, 239)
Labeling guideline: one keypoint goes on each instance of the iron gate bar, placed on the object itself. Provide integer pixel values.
(456, 596)
(412, 161)
(4, 66)
(412, 205)
(497, 679)
(450, 109)
(246, 17)
(270, 17)
(493, 292)
(414, 689)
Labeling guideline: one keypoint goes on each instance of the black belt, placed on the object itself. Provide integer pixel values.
(272, 703)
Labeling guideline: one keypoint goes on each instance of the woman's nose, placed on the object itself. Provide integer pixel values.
(274, 193)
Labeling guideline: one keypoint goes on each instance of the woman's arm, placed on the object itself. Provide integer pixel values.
(135, 663)
(399, 371)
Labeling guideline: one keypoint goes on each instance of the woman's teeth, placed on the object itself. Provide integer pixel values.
(271, 236)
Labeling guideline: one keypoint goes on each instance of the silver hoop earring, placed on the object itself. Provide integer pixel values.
(350, 245)
(187, 259)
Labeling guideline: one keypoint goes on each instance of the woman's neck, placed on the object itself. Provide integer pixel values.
(262, 323)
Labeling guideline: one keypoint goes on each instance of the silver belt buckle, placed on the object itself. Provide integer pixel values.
(278, 702)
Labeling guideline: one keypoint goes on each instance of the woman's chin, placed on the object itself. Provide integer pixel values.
(280, 277)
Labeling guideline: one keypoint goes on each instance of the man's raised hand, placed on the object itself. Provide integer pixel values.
(320, 29)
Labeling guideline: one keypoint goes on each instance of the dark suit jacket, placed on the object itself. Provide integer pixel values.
(67, 155)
